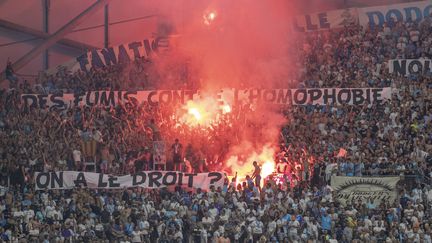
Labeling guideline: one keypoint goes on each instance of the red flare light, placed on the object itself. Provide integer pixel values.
(268, 168)
(226, 109)
(264, 158)
(209, 17)
(204, 113)
(195, 112)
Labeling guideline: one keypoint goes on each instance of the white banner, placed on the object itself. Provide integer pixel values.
(415, 11)
(331, 96)
(364, 188)
(145, 179)
(405, 67)
(325, 20)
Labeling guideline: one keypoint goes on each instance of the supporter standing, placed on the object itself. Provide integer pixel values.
(10, 75)
(77, 157)
(257, 174)
(177, 150)
(105, 160)
(155, 130)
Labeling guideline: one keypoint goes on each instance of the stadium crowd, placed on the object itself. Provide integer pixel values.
(392, 138)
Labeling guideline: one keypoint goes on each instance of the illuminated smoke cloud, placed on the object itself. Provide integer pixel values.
(235, 44)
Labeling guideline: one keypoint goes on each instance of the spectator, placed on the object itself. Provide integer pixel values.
(177, 154)
(10, 75)
(257, 174)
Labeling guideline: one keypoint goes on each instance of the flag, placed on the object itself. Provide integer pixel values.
(342, 153)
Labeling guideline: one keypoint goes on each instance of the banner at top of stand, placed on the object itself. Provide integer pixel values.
(414, 11)
(123, 53)
(325, 20)
(120, 54)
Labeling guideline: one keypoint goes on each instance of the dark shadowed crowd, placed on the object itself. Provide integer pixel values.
(392, 138)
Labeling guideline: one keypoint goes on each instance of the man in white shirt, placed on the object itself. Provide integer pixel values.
(178, 236)
(213, 212)
(313, 229)
(49, 211)
(294, 225)
(417, 195)
(207, 220)
(97, 136)
(204, 235)
(144, 227)
(257, 229)
(136, 236)
(271, 227)
(28, 214)
(77, 158)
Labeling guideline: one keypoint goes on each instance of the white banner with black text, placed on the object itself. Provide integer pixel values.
(144, 179)
(107, 99)
(378, 15)
(406, 67)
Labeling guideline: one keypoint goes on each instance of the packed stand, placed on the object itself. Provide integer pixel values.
(243, 213)
(141, 74)
(393, 138)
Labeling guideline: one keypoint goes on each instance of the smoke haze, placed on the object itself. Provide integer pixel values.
(237, 44)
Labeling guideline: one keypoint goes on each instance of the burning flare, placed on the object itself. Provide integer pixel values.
(226, 109)
(204, 112)
(244, 167)
(209, 17)
(195, 112)
(268, 168)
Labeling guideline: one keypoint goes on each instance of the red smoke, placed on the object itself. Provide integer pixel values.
(245, 45)
(232, 44)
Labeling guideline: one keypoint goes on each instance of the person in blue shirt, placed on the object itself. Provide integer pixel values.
(342, 168)
(249, 181)
(287, 217)
(129, 227)
(370, 204)
(326, 222)
(390, 217)
(358, 168)
(349, 168)
(186, 199)
(3, 220)
(248, 195)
